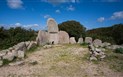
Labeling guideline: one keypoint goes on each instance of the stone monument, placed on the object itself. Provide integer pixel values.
(53, 31)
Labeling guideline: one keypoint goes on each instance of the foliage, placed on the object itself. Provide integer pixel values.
(119, 50)
(12, 36)
(113, 34)
(73, 28)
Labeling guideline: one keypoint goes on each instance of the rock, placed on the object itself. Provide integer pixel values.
(88, 40)
(1, 63)
(3, 52)
(27, 43)
(32, 44)
(97, 42)
(17, 63)
(20, 46)
(21, 54)
(72, 40)
(80, 40)
(42, 38)
(113, 47)
(53, 31)
(63, 37)
(91, 47)
(11, 48)
(47, 46)
(9, 56)
(98, 50)
(105, 44)
(33, 62)
(93, 58)
(14, 52)
(102, 57)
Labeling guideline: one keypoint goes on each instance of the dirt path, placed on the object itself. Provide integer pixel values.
(61, 61)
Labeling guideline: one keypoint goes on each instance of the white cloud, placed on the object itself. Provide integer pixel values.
(70, 8)
(101, 19)
(30, 26)
(47, 16)
(58, 11)
(15, 4)
(117, 15)
(17, 24)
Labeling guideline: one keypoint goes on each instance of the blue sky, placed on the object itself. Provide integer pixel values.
(34, 13)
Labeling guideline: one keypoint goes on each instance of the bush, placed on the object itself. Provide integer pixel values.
(12, 36)
(119, 50)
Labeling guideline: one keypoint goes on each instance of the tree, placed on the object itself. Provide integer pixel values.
(73, 28)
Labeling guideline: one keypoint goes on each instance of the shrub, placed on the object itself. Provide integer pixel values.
(119, 50)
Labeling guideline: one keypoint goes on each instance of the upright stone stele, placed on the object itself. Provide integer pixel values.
(80, 40)
(72, 40)
(53, 31)
(97, 42)
(88, 40)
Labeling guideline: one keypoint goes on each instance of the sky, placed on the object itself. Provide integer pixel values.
(34, 13)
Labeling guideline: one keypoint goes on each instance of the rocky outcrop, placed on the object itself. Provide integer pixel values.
(96, 53)
(17, 51)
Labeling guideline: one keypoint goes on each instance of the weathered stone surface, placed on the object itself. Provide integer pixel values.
(47, 46)
(93, 58)
(21, 54)
(80, 40)
(17, 63)
(42, 38)
(2, 53)
(27, 43)
(53, 38)
(1, 62)
(32, 44)
(105, 44)
(20, 46)
(63, 37)
(53, 31)
(14, 52)
(97, 42)
(72, 40)
(52, 25)
(9, 56)
(88, 40)
(114, 47)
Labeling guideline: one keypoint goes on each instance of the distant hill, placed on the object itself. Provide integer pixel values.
(113, 34)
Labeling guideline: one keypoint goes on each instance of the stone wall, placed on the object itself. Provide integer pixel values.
(17, 51)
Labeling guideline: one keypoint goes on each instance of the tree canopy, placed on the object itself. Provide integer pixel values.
(73, 28)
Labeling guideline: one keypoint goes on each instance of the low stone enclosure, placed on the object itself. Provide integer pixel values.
(54, 36)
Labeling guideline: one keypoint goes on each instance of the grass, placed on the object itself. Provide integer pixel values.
(85, 45)
(115, 61)
(33, 49)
